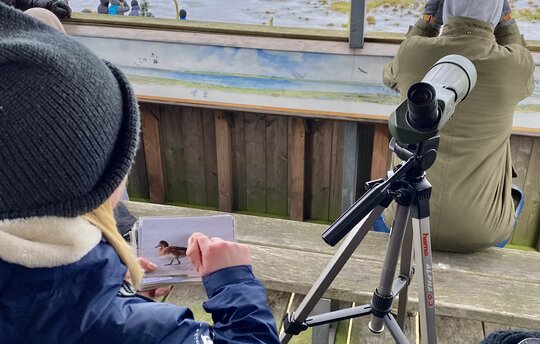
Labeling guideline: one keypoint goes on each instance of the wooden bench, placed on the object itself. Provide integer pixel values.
(475, 293)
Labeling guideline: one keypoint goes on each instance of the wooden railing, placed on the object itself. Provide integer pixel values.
(298, 162)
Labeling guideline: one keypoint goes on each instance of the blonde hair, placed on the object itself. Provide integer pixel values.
(103, 218)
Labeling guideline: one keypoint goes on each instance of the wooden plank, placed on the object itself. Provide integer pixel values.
(221, 28)
(255, 133)
(297, 163)
(152, 152)
(460, 280)
(224, 161)
(336, 171)
(210, 157)
(194, 150)
(491, 327)
(365, 154)
(521, 147)
(452, 330)
(288, 111)
(239, 161)
(320, 151)
(137, 185)
(380, 156)
(350, 165)
(276, 165)
(278, 302)
(173, 154)
(526, 231)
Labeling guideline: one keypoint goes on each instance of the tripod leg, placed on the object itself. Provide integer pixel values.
(390, 264)
(405, 269)
(394, 329)
(351, 242)
(424, 271)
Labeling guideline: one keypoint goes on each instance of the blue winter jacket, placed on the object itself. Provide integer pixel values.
(78, 303)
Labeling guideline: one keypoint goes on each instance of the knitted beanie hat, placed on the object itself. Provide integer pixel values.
(69, 122)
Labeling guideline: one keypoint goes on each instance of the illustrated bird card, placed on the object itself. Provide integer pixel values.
(163, 241)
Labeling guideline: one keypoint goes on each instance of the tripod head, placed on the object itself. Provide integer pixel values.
(415, 126)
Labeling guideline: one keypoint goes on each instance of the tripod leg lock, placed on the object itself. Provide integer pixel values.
(291, 326)
(381, 305)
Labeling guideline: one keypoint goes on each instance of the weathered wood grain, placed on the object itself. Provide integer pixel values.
(239, 161)
(210, 157)
(521, 147)
(365, 155)
(194, 151)
(152, 150)
(318, 162)
(255, 134)
(526, 232)
(224, 161)
(278, 302)
(380, 156)
(491, 286)
(452, 330)
(174, 163)
(276, 165)
(297, 167)
(137, 185)
(336, 168)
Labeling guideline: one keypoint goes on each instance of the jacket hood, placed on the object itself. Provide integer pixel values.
(485, 10)
(45, 242)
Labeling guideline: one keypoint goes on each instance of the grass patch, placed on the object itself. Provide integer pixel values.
(356, 97)
(341, 6)
(519, 247)
(256, 213)
(191, 205)
(387, 3)
(529, 108)
(527, 14)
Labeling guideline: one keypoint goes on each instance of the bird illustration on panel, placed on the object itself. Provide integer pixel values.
(171, 252)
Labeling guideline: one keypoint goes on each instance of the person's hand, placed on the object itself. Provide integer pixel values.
(433, 13)
(157, 293)
(211, 254)
(60, 8)
(506, 18)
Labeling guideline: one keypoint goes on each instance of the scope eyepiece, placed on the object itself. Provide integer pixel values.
(422, 106)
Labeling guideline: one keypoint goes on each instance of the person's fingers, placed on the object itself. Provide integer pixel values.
(204, 242)
(194, 252)
(216, 239)
(147, 265)
(160, 292)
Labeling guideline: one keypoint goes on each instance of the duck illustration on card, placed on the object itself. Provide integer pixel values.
(164, 241)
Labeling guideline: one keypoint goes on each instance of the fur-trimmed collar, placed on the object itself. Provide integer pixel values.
(42, 242)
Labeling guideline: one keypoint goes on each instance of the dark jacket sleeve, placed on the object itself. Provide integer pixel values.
(24, 5)
(422, 28)
(509, 34)
(239, 308)
(60, 8)
(237, 302)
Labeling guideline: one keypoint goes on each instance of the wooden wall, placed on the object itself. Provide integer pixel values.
(281, 166)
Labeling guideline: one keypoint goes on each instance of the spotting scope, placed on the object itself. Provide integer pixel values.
(430, 103)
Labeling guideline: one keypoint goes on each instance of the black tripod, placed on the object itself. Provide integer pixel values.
(408, 186)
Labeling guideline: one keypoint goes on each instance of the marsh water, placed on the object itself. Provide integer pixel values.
(322, 14)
